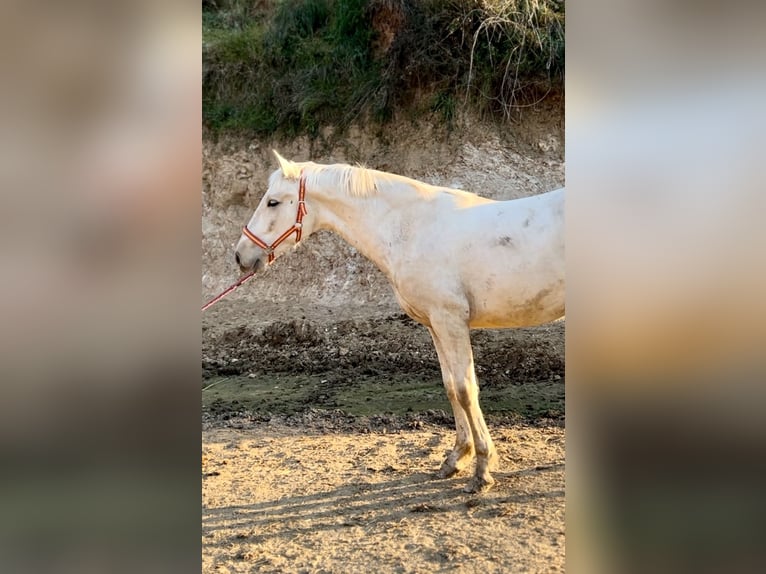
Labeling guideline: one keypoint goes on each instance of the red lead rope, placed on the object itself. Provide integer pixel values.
(228, 290)
(296, 228)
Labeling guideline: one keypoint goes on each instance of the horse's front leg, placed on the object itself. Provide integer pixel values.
(453, 344)
(462, 452)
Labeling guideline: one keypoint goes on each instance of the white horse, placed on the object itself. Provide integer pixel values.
(456, 261)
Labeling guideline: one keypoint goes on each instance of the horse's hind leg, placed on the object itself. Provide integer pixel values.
(462, 452)
(455, 353)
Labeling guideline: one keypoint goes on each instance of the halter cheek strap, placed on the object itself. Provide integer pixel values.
(297, 227)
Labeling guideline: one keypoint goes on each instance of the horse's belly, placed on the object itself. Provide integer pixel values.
(517, 308)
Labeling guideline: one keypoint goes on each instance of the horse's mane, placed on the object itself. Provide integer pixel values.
(355, 180)
(360, 181)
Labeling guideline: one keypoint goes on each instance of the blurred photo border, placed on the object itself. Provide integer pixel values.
(100, 292)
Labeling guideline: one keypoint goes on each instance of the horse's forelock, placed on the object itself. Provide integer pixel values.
(291, 170)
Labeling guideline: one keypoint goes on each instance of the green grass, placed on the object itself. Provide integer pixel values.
(367, 395)
(305, 64)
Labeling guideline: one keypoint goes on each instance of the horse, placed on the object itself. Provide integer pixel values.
(456, 261)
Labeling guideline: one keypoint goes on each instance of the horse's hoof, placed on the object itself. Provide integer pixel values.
(479, 484)
(447, 471)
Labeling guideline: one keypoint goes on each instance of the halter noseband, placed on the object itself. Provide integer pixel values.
(296, 228)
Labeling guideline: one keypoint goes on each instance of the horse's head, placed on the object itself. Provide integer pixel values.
(278, 222)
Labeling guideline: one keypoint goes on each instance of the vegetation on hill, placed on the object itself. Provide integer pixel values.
(295, 66)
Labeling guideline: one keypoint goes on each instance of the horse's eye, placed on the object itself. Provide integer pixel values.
(272, 203)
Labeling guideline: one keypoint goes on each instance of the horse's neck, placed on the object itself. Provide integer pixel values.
(369, 224)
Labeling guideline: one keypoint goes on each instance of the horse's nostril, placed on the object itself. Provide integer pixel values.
(236, 258)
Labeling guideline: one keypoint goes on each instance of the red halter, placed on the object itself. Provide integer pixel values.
(296, 228)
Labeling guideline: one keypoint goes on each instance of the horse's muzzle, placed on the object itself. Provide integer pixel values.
(247, 268)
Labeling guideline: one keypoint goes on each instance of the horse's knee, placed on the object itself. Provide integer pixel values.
(467, 395)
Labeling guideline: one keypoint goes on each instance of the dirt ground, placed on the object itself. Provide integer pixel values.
(324, 418)
(286, 499)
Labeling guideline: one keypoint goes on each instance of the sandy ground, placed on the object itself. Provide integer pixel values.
(281, 499)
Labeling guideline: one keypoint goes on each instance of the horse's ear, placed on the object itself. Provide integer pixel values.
(288, 168)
